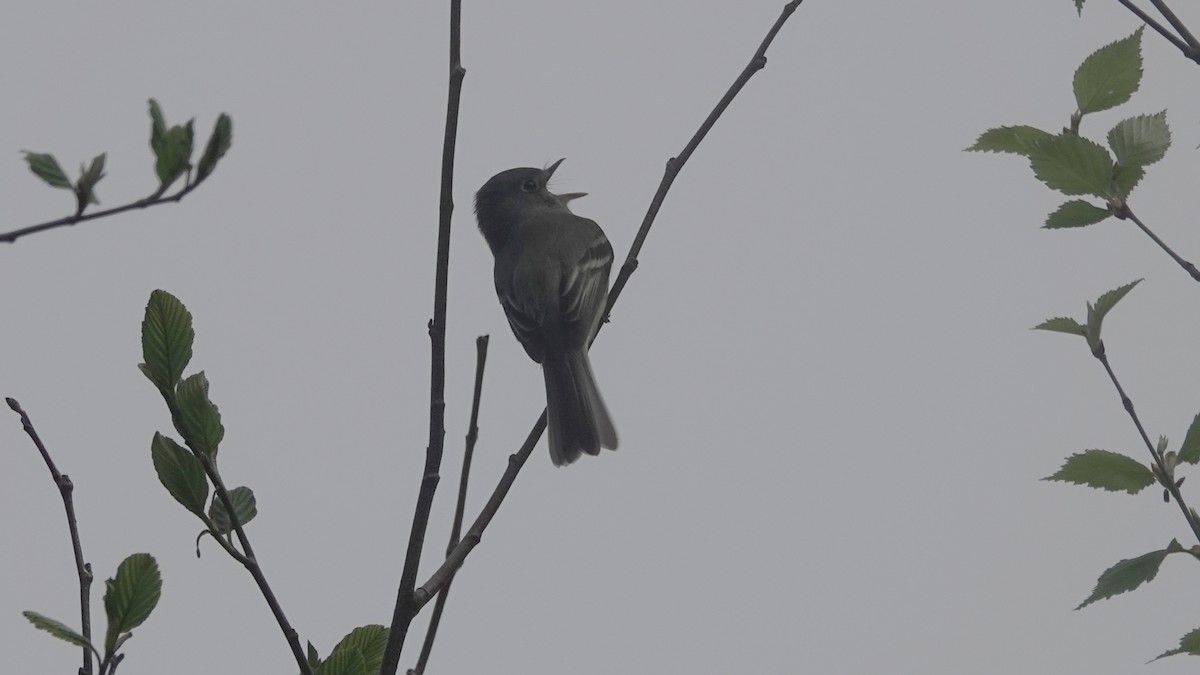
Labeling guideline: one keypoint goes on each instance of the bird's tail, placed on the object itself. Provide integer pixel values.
(575, 412)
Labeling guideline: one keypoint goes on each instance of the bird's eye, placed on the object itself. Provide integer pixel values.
(529, 185)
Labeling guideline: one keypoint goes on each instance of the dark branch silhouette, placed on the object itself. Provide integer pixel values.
(1123, 212)
(406, 607)
(1186, 44)
(481, 345)
(66, 488)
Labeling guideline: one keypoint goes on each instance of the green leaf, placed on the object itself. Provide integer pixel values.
(199, 420)
(1062, 324)
(1189, 452)
(218, 144)
(1141, 140)
(44, 166)
(85, 187)
(1079, 7)
(345, 662)
(1073, 165)
(1105, 470)
(1110, 75)
(172, 147)
(314, 659)
(1129, 574)
(368, 641)
(58, 629)
(1104, 305)
(131, 596)
(1188, 644)
(244, 506)
(1076, 213)
(1125, 178)
(1017, 140)
(181, 473)
(167, 337)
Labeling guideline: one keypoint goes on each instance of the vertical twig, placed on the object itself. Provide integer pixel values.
(66, 489)
(446, 572)
(481, 345)
(406, 608)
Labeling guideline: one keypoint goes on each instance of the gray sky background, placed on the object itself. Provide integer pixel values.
(833, 416)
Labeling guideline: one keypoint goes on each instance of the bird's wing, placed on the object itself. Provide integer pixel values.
(584, 289)
(525, 321)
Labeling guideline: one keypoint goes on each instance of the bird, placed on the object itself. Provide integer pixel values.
(551, 274)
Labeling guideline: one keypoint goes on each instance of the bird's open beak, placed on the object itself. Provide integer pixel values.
(564, 198)
(550, 170)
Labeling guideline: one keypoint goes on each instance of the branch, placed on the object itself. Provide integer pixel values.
(1178, 25)
(1164, 471)
(445, 573)
(1191, 52)
(152, 200)
(250, 562)
(66, 488)
(1123, 212)
(406, 608)
(481, 345)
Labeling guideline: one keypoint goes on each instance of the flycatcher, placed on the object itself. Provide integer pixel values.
(552, 279)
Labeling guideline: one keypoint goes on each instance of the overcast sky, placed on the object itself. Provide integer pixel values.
(833, 416)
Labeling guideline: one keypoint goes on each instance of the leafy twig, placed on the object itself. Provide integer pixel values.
(152, 200)
(66, 488)
(481, 345)
(406, 608)
(1123, 212)
(1165, 471)
(455, 560)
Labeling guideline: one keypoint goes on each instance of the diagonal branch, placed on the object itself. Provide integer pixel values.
(1161, 6)
(152, 200)
(406, 608)
(481, 345)
(66, 488)
(1123, 212)
(445, 573)
(1191, 51)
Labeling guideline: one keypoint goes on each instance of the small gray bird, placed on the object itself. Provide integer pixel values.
(552, 278)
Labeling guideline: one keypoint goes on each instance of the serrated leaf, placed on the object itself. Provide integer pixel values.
(345, 662)
(314, 659)
(1018, 139)
(1141, 140)
(130, 596)
(167, 337)
(244, 506)
(1104, 305)
(218, 144)
(181, 473)
(1189, 452)
(199, 420)
(1076, 213)
(1188, 644)
(1062, 324)
(44, 166)
(1109, 76)
(368, 641)
(1105, 470)
(1072, 165)
(158, 126)
(58, 629)
(1128, 575)
(85, 187)
(1125, 178)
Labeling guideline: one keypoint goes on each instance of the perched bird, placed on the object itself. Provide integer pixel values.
(552, 279)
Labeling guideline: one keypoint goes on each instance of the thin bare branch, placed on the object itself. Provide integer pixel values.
(445, 573)
(1161, 6)
(481, 345)
(1191, 52)
(84, 569)
(1124, 212)
(406, 608)
(152, 200)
